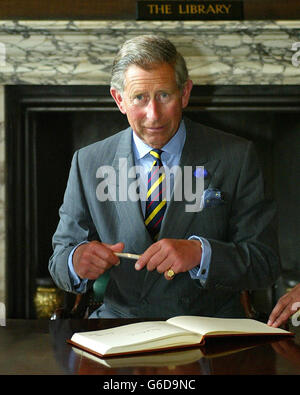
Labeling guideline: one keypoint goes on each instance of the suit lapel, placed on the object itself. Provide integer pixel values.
(129, 211)
(177, 219)
(176, 222)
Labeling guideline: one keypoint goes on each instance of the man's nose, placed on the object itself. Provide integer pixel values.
(153, 110)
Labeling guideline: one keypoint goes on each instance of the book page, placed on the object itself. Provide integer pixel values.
(205, 325)
(133, 337)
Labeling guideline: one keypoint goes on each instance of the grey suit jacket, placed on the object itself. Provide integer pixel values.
(241, 231)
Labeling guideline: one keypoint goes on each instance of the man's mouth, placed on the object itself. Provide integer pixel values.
(154, 128)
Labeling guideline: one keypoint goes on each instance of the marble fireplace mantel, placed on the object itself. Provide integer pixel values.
(81, 53)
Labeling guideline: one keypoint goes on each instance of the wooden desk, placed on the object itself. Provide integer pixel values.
(30, 347)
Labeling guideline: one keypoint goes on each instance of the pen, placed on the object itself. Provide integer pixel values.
(127, 255)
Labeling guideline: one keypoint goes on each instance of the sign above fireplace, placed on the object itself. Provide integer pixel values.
(126, 9)
(173, 10)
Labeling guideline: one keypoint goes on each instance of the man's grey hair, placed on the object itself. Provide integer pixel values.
(147, 51)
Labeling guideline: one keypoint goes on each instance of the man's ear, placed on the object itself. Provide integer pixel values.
(186, 92)
(118, 99)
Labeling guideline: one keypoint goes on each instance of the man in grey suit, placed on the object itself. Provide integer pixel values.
(204, 255)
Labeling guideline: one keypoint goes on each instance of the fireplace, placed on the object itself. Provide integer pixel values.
(56, 99)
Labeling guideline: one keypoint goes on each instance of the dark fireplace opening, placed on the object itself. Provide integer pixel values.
(46, 124)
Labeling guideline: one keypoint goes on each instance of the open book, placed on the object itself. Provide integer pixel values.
(176, 332)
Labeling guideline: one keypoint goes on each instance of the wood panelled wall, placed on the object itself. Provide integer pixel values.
(126, 9)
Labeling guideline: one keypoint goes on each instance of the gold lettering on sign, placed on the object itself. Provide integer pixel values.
(211, 9)
(193, 9)
(164, 9)
(227, 8)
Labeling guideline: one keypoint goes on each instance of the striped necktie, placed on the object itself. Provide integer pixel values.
(156, 201)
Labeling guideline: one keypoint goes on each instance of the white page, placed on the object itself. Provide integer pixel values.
(206, 325)
(128, 336)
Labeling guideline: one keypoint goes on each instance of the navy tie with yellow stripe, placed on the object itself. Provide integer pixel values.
(156, 201)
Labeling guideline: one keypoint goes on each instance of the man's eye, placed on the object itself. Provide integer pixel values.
(139, 99)
(164, 96)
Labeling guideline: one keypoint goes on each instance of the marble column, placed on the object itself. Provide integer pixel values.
(2, 197)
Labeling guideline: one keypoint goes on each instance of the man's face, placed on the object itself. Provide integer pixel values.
(152, 102)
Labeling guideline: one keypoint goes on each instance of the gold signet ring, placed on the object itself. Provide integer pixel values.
(170, 273)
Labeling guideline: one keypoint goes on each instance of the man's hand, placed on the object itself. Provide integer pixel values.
(286, 306)
(165, 254)
(92, 259)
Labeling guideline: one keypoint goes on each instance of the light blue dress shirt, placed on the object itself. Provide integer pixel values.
(170, 157)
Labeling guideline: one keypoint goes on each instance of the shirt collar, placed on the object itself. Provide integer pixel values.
(173, 147)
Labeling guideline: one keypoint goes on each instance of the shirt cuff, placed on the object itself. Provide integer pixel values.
(78, 283)
(200, 272)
